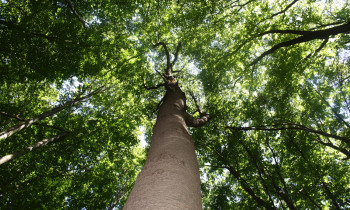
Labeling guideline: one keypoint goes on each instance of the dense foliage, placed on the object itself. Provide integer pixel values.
(274, 75)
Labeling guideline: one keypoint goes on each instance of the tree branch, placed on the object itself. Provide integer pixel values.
(39, 144)
(285, 9)
(151, 88)
(284, 194)
(331, 195)
(248, 189)
(290, 126)
(334, 112)
(37, 123)
(316, 170)
(27, 123)
(168, 64)
(176, 54)
(194, 122)
(244, 183)
(230, 8)
(39, 34)
(261, 170)
(317, 50)
(329, 24)
(76, 13)
(161, 75)
(330, 144)
(196, 103)
(307, 195)
(277, 31)
(306, 36)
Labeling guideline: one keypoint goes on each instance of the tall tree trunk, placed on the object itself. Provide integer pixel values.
(170, 177)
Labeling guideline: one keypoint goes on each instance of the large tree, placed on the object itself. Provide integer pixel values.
(170, 176)
(75, 102)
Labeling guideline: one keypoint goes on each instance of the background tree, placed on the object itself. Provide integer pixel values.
(274, 75)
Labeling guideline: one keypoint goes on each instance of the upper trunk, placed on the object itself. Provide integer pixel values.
(170, 177)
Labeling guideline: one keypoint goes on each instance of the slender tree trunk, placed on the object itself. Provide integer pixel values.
(33, 147)
(170, 177)
(27, 123)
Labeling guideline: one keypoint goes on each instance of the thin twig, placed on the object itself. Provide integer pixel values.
(76, 13)
(285, 9)
(317, 50)
(196, 103)
(290, 126)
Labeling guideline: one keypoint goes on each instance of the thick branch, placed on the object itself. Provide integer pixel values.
(176, 53)
(169, 68)
(297, 32)
(320, 34)
(39, 144)
(306, 36)
(195, 122)
(168, 64)
(151, 88)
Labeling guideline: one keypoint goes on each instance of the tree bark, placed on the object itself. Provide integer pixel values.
(170, 177)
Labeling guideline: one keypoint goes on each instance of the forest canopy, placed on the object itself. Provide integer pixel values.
(79, 94)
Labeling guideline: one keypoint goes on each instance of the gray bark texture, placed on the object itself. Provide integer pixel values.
(170, 177)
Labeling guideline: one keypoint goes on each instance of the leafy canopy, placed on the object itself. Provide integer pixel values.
(274, 75)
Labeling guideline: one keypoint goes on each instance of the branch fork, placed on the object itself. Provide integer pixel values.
(169, 67)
